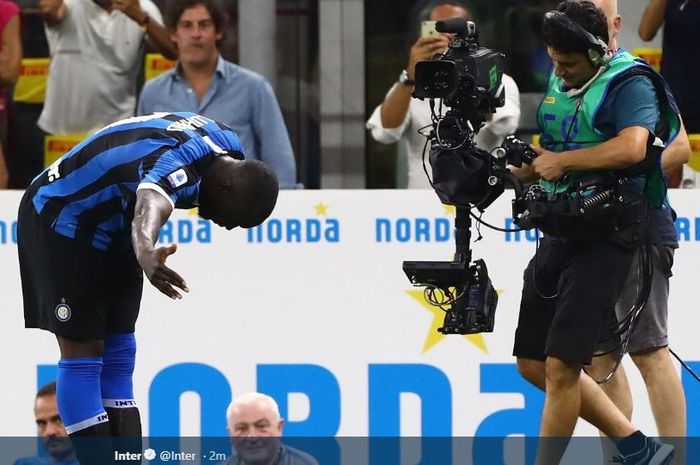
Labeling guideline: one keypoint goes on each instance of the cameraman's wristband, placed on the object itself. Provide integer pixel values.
(404, 80)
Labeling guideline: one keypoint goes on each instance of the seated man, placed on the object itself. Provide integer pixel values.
(255, 426)
(51, 431)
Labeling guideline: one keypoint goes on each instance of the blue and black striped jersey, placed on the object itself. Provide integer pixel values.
(89, 194)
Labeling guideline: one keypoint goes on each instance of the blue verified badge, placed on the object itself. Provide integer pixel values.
(63, 311)
(177, 178)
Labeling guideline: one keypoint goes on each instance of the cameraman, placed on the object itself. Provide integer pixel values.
(400, 117)
(648, 346)
(590, 121)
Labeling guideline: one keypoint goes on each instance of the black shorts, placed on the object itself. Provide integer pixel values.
(569, 293)
(70, 288)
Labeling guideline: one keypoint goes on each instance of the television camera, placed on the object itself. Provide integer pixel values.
(467, 79)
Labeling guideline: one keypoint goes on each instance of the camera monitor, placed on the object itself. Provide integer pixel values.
(438, 274)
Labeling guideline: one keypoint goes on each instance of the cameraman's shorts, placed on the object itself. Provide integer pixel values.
(651, 330)
(70, 288)
(569, 293)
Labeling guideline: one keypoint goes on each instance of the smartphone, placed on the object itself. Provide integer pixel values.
(428, 29)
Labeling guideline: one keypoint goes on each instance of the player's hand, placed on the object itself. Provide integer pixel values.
(424, 49)
(162, 277)
(547, 164)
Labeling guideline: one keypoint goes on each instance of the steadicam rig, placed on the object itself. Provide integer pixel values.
(467, 79)
(462, 288)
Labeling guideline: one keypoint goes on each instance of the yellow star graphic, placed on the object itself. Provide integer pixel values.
(193, 212)
(321, 208)
(450, 209)
(434, 336)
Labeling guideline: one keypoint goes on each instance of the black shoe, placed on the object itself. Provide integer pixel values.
(653, 453)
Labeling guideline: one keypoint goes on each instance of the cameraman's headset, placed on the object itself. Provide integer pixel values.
(598, 52)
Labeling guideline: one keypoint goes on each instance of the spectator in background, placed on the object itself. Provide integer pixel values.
(203, 82)
(253, 421)
(681, 45)
(648, 346)
(51, 430)
(25, 141)
(96, 48)
(400, 116)
(10, 62)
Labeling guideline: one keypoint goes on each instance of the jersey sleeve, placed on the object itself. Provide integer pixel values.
(172, 178)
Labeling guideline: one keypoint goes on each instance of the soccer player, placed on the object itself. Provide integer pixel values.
(88, 226)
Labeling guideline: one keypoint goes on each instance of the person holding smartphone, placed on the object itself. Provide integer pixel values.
(399, 117)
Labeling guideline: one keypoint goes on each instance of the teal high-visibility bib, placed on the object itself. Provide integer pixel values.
(567, 123)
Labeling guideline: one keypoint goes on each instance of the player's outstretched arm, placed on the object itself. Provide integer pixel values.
(151, 212)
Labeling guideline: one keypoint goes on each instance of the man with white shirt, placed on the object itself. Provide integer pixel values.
(96, 48)
(400, 117)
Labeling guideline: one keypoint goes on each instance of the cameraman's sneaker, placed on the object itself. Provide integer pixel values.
(654, 453)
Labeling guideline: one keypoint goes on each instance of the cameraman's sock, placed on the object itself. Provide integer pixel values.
(633, 443)
(118, 393)
(80, 406)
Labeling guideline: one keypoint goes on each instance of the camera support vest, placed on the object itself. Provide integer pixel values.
(567, 122)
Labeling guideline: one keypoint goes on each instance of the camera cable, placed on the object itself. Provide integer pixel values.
(444, 297)
(489, 225)
(628, 323)
(685, 365)
(534, 272)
